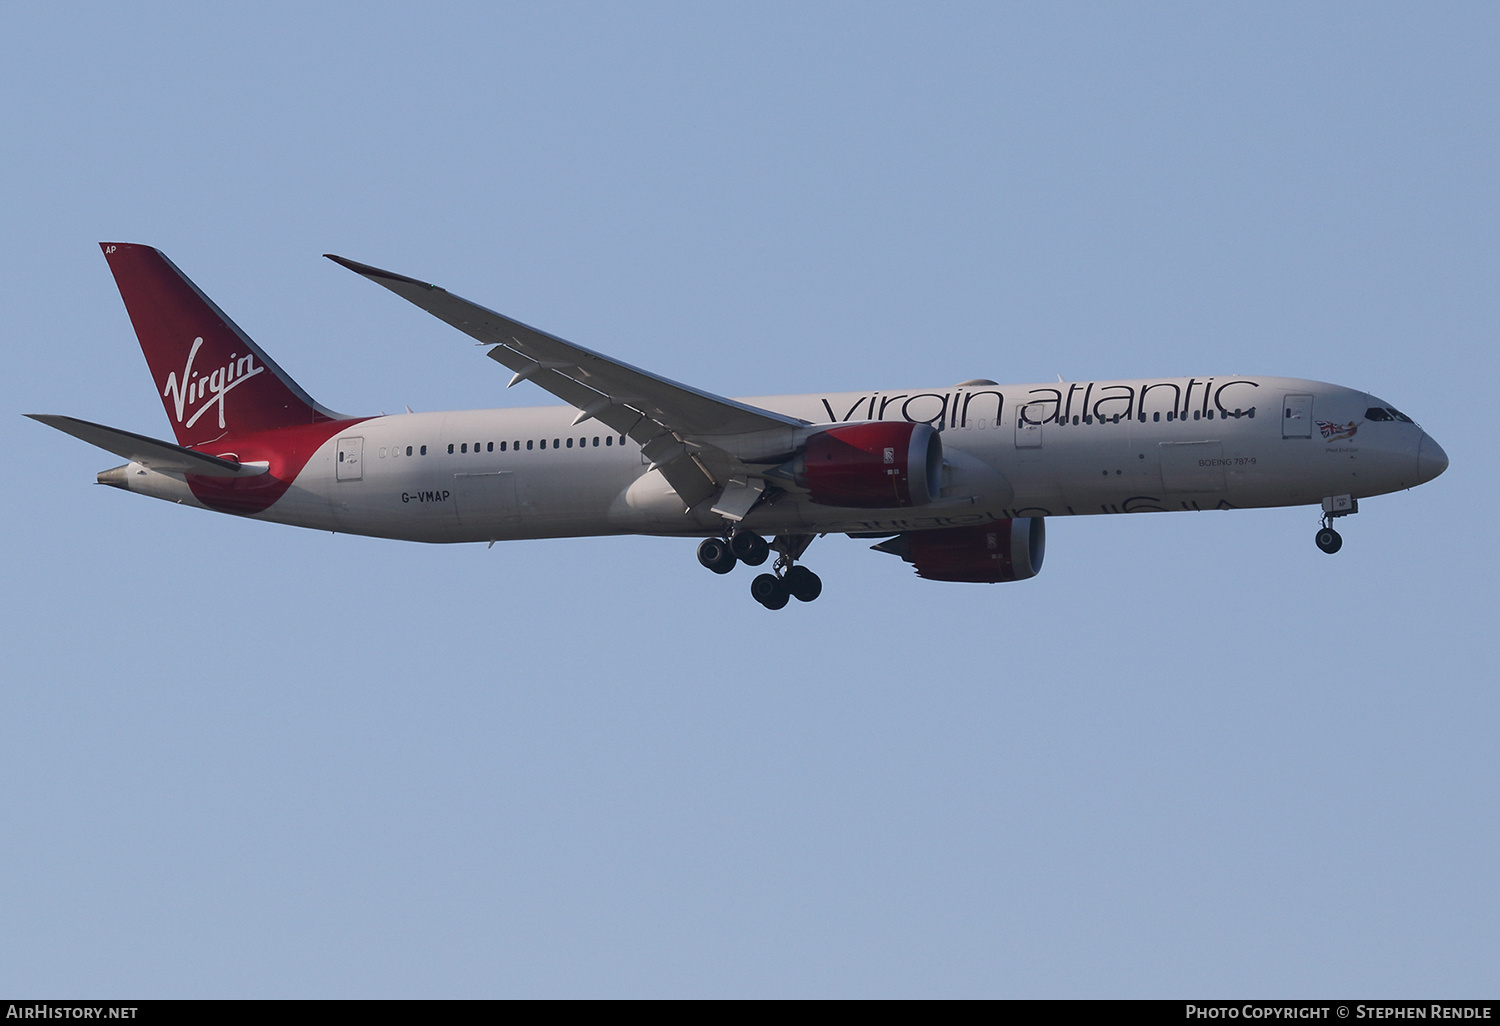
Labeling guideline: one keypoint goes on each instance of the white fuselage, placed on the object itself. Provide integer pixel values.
(1008, 451)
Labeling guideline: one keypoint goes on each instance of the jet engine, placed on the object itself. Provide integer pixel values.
(874, 465)
(1006, 550)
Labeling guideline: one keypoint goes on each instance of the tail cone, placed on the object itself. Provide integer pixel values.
(115, 478)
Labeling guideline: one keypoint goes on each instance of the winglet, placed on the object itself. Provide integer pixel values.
(375, 273)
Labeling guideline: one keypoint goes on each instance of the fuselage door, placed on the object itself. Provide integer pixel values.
(1029, 432)
(1296, 416)
(351, 459)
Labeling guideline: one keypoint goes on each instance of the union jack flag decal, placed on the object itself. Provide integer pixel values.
(1337, 432)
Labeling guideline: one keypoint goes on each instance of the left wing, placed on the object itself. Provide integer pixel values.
(699, 441)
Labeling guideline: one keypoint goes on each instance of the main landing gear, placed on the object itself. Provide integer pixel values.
(797, 582)
(1327, 539)
(773, 590)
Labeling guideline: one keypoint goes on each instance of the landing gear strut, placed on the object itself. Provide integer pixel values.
(1327, 539)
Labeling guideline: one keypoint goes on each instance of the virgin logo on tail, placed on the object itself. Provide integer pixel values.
(194, 386)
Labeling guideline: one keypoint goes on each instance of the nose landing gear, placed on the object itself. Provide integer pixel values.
(1327, 539)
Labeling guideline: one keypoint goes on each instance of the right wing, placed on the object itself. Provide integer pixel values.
(696, 439)
(149, 452)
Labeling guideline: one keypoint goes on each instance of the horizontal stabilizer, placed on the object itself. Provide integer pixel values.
(149, 452)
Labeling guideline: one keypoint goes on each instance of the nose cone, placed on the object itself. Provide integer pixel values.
(1431, 459)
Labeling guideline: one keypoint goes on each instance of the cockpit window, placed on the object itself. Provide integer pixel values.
(1387, 413)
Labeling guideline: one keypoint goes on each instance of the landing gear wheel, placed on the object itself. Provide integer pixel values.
(768, 590)
(1329, 540)
(749, 548)
(803, 583)
(714, 553)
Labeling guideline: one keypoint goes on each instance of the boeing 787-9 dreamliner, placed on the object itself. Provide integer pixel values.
(957, 481)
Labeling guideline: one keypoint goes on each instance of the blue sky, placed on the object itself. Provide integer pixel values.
(1195, 757)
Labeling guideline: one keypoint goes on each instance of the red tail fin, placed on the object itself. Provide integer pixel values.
(214, 382)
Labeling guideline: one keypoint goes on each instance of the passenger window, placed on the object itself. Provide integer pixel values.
(596, 441)
(518, 445)
(408, 450)
(544, 443)
(450, 448)
(424, 450)
(554, 443)
(1210, 414)
(490, 447)
(464, 447)
(1171, 414)
(1196, 414)
(570, 443)
(502, 446)
(609, 440)
(528, 444)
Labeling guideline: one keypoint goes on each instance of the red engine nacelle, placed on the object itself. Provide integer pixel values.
(1007, 550)
(876, 465)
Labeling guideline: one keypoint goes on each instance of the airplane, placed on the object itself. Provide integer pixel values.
(958, 481)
